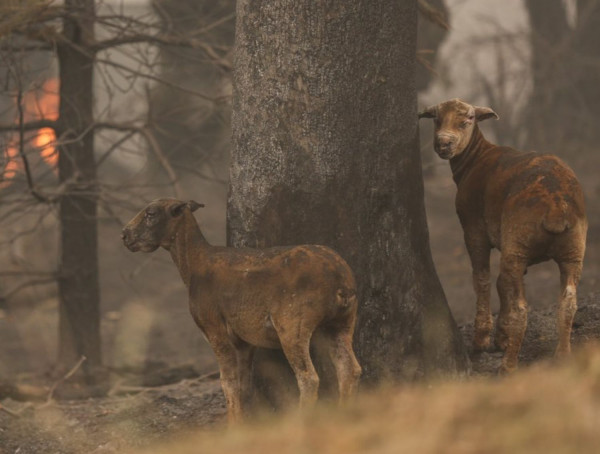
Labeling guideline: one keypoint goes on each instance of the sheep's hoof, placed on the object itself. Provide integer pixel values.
(562, 352)
(501, 341)
(504, 370)
(481, 345)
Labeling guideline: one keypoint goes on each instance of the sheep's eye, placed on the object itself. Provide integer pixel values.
(464, 124)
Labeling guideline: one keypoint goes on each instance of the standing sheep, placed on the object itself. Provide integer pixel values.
(243, 298)
(528, 206)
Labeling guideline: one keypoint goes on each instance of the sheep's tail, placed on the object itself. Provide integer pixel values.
(558, 218)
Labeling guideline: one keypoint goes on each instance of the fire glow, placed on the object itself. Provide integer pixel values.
(38, 104)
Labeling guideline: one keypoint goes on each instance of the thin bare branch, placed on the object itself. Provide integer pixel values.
(29, 125)
(114, 146)
(12, 413)
(17, 288)
(215, 24)
(165, 40)
(433, 14)
(13, 16)
(20, 128)
(4, 47)
(62, 379)
(26, 167)
(28, 273)
(159, 80)
(145, 132)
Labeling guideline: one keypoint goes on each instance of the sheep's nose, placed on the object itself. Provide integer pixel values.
(445, 142)
(125, 234)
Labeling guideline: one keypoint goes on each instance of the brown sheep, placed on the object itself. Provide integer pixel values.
(527, 205)
(243, 298)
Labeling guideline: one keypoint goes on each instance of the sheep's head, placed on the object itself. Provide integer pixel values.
(454, 123)
(156, 224)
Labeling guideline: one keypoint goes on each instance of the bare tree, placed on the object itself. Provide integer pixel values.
(325, 151)
(190, 129)
(431, 31)
(78, 289)
(89, 48)
(564, 106)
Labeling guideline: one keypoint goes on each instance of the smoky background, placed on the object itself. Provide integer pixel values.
(161, 113)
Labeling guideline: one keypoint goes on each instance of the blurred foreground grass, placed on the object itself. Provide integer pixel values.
(549, 408)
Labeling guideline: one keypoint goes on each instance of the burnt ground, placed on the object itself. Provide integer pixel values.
(172, 389)
(138, 415)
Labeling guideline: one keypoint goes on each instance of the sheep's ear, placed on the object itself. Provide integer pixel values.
(193, 206)
(430, 112)
(177, 209)
(483, 113)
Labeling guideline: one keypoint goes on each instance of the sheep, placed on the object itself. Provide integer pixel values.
(527, 205)
(243, 298)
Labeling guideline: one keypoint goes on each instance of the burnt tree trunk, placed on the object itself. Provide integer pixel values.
(325, 151)
(565, 102)
(551, 100)
(587, 47)
(78, 288)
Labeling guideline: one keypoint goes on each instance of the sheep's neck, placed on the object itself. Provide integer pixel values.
(187, 245)
(463, 162)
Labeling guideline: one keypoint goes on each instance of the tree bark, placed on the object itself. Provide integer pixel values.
(78, 288)
(587, 47)
(551, 97)
(565, 103)
(325, 151)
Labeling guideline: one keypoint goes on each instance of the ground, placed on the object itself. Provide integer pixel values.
(137, 416)
(172, 390)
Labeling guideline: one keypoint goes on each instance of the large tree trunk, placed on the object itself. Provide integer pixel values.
(78, 289)
(551, 100)
(587, 47)
(325, 151)
(564, 107)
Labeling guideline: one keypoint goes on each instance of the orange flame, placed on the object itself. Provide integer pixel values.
(11, 167)
(38, 104)
(45, 142)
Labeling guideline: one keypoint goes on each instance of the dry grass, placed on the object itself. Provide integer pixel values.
(545, 408)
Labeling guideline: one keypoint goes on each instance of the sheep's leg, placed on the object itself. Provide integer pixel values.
(511, 290)
(245, 354)
(501, 339)
(230, 381)
(570, 273)
(479, 253)
(295, 342)
(346, 366)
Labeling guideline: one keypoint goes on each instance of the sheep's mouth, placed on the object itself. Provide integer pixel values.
(135, 246)
(445, 154)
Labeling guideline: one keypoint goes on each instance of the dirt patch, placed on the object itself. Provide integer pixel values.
(112, 424)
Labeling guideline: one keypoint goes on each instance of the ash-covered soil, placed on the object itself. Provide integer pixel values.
(135, 416)
(112, 424)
